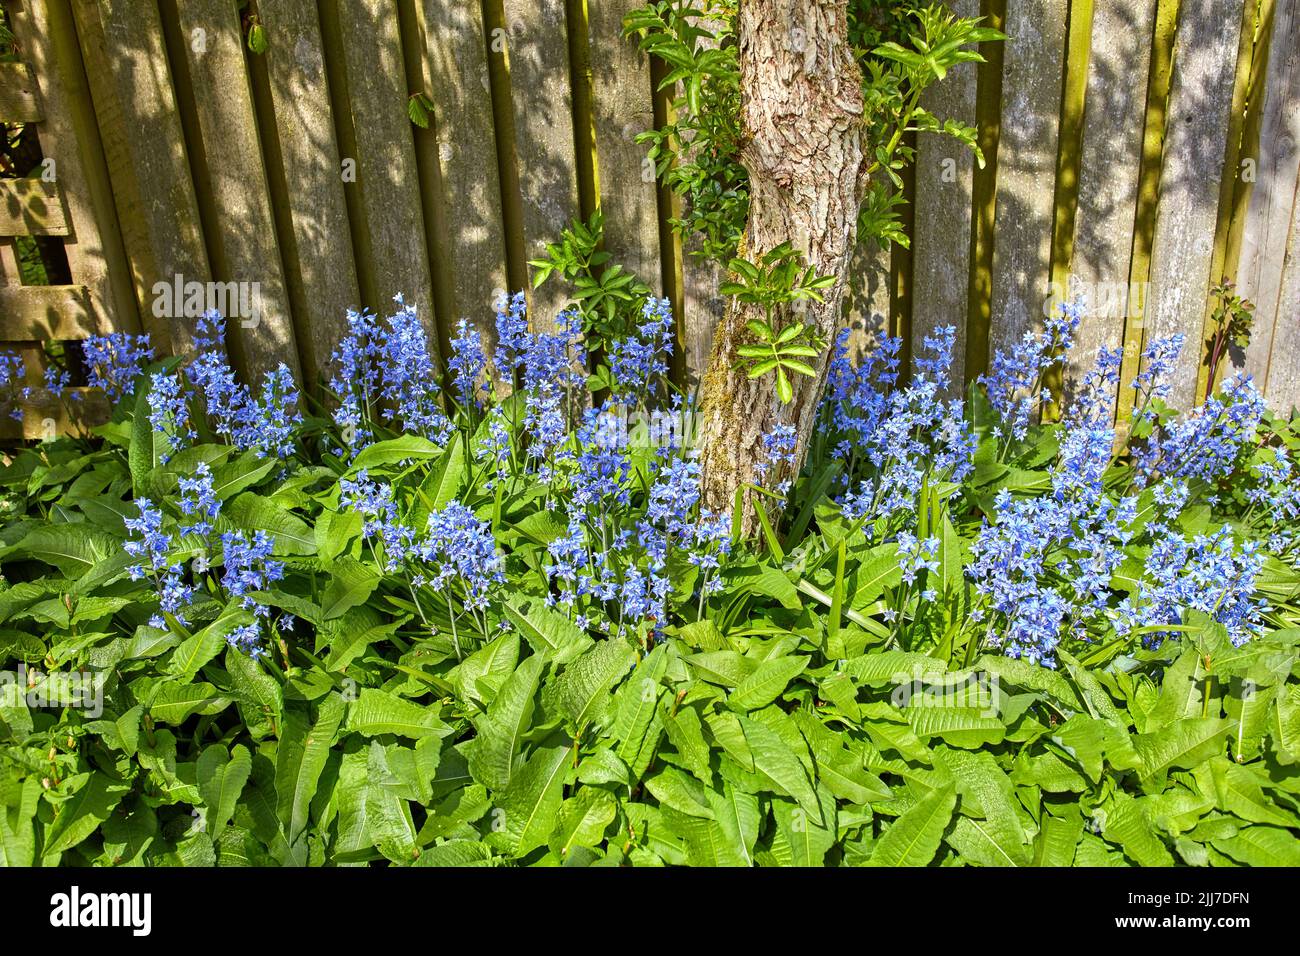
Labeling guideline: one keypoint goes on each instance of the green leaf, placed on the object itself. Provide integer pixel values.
(395, 451)
(203, 646)
(335, 532)
(445, 479)
(1183, 743)
(299, 761)
(142, 457)
(82, 814)
(547, 630)
(174, 703)
(72, 548)
(221, 776)
(766, 683)
(501, 731)
(959, 726)
(914, 838)
(1124, 823)
(778, 764)
(351, 584)
(377, 712)
(253, 512)
(1261, 846)
(581, 692)
(530, 806)
(351, 643)
(583, 820)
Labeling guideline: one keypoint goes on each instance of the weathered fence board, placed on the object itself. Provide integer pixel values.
(392, 251)
(70, 141)
(241, 240)
(46, 313)
(623, 99)
(455, 62)
(1031, 101)
(1269, 215)
(1200, 101)
(318, 256)
(1284, 363)
(1110, 163)
(865, 309)
(18, 102)
(145, 150)
(31, 207)
(944, 183)
(536, 47)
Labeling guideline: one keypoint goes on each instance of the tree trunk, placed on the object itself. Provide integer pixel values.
(802, 118)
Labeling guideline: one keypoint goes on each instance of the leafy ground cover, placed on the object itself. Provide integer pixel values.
(490, 623)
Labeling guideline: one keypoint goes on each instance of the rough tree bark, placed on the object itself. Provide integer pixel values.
(803, 148)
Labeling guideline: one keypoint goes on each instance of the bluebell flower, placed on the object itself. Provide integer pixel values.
(469, 365)
(409, 377)
(1015, 380)
(513, 338)
(13, 372)
(778, 450)
(169, 413)
(115, 361)
(198, 501)
(1210, 442)
(267, 426)
(462, 551)
(247, 638)
(1159, 359)
(916, 555)
(495, 448)
(638, 361)
(248, 567)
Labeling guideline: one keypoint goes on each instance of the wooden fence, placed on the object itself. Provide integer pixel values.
(1138, 151)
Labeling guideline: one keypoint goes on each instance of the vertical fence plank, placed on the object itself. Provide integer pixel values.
(537, 48)
(624, 107)
(241, 235)
(1110, 164)
(1269, 215)
(1023, 217)
(865, 310)
(392, 253)
(456, 65)
(130, 84)
(318, 254)
(1200, 104)
(944, 196)
(70, 139)
(1284, 362)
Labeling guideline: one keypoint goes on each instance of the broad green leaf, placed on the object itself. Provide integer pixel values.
(766, 683)
(546, 630)
(351, 584)
(81, 815)
(379, 712)
(299, 760)
(530, 806)
(221, 777)
(1183, 743)
(395, 451)
(252, 512)
(914, 838)
(501, 731)
(1125, 823)
(1261, 846)
(582, 690)
(778, 764)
